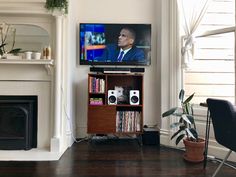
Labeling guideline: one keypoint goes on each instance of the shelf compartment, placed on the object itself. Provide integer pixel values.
(128, 121)
(101, 119)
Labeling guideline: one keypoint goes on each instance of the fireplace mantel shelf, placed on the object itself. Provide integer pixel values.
(24, 61)
(47, 63)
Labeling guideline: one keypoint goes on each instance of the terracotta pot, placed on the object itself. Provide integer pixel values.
(194, 150)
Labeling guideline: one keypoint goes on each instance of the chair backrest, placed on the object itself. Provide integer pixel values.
(223, 115)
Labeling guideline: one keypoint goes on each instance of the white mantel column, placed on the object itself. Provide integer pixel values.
(56, 139)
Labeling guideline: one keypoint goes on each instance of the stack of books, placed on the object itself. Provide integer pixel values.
(96, 101)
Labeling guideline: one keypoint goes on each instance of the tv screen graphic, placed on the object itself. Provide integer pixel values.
(115, 44)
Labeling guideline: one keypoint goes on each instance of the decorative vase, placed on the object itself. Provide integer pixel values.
(194, 150)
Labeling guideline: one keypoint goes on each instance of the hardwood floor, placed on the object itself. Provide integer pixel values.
(107, 158)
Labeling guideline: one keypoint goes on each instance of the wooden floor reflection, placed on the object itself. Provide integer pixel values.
(113, 157)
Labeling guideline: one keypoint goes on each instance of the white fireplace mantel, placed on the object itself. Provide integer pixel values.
(48, 64)
(28, 62)
(33, 12)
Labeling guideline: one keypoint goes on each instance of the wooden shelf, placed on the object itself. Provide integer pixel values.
(128, 105)
(96, 104)
(93, 93)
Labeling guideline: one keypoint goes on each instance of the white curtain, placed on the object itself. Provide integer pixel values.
(191, 14)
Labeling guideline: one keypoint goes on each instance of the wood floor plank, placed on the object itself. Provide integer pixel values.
(114, 158)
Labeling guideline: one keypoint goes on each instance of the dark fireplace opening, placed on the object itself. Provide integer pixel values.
(18, 122)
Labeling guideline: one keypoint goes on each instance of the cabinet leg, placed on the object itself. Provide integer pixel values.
(140, 140)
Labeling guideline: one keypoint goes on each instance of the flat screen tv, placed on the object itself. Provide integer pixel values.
(102, 44)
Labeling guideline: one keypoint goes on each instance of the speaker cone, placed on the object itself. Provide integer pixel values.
(134, 99)
(112, 99)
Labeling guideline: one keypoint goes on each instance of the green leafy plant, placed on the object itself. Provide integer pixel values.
(185, 124)
(61, 5)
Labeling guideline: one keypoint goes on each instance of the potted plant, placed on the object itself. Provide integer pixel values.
(7, 40)
(61, 5)
(186, 129)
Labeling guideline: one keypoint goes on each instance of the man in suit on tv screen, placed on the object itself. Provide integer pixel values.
(124, 50)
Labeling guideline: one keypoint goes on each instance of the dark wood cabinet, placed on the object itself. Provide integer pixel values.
(122, 116)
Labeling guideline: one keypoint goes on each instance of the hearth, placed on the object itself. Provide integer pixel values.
(18, 122)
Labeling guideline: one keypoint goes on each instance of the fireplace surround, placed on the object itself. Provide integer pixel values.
(44, 79)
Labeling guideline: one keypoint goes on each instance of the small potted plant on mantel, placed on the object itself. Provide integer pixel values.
(61, 5)
(186, 131)
(7, 40)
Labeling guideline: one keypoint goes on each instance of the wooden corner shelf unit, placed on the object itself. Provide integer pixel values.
(123, 117)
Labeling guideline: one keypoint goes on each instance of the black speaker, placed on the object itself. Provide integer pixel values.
(117, 70)
(151, 136)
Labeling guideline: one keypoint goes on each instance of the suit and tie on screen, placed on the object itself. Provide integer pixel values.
(124, 50)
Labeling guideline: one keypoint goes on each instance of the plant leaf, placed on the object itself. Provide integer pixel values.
(182, 127)
(189, 98)
(1, 48)
(176, 133)
(181, 120)
(180, 137)
(181, 95)
(2, 45)
(190, 118)
(169, 112)
(190, 133)
(189, 108)
(59, 4)
(15, 51)
(185, 118)
(177, 114)
(194, 132)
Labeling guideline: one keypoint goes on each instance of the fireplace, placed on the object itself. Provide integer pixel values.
(18, 122)
(42, 78)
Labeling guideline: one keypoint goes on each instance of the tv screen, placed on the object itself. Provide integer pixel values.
(115, 44)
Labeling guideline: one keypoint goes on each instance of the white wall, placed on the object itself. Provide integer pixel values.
(113, 11)
(161, 79)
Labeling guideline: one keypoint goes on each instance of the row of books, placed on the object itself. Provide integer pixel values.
(95, 101)
(96, 85)
(128, 121)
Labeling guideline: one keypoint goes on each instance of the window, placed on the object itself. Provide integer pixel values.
(213, 71)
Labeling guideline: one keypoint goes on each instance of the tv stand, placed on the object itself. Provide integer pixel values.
(107, 112)
(116, 70)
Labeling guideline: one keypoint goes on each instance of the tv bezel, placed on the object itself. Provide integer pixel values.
(85, 62)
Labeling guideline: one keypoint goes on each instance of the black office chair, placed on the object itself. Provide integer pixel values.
(223, 115)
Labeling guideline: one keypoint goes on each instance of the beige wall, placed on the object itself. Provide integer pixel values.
(113, 11)
(161, 78)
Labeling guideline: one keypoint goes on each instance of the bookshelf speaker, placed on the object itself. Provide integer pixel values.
(112, 97)
(134, 97)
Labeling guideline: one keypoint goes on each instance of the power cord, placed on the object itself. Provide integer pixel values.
(70, 124)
